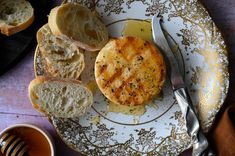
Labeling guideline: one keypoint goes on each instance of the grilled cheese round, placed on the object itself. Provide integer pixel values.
(130, 71)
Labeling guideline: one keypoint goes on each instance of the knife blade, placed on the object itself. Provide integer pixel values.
(200, 143)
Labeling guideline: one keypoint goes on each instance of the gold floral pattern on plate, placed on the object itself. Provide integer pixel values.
(161, 130)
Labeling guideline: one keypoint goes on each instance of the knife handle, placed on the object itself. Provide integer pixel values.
(200, 144)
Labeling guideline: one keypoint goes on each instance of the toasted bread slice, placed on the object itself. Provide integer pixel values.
(63, 58)
(40, 64)
(59, 98)
(130, 71)
(15, 16)
(77, 23)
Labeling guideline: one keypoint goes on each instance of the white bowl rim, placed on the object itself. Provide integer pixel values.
(42, 131)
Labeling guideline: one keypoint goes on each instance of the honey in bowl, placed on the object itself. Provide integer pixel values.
(38, 144)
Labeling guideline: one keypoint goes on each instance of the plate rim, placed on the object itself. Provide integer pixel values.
(226, 83)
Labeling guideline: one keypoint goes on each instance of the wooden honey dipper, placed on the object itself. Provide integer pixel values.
(11, 145)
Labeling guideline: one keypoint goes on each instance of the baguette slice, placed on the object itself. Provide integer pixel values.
(59, 98)
(15, 16)
(63, 58)
(77, 23)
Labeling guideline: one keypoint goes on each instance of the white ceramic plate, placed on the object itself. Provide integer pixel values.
(161, 130)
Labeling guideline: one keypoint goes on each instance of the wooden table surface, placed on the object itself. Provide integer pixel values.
(16, 108)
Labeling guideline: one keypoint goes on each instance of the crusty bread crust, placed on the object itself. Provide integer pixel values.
(9, 30)
(130, 71)
(39, 64)
(77, 23)
(32, 96)
(52, 107)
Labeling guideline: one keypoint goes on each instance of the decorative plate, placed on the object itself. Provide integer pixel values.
(161, 130)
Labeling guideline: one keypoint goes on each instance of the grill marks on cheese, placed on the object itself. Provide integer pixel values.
(129, 71)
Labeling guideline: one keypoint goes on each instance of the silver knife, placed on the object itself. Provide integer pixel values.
(200, 143)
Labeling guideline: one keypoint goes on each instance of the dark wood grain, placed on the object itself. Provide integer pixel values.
(16, 108)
